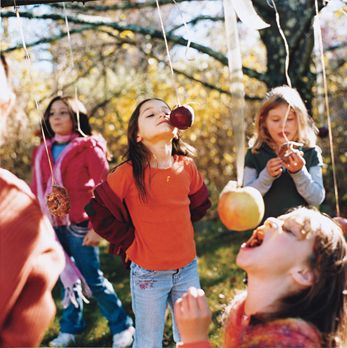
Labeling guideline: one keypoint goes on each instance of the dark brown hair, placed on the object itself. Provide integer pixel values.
(138, 154)
(324, 303)
(78, 114)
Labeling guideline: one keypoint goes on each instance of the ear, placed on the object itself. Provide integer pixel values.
(138, 139)
(303, 276)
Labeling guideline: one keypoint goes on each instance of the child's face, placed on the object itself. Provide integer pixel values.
(279, 130)
(282, 245)
(60, 119)
(153, 122)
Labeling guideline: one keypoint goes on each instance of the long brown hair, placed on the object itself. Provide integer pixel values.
(138, 154)
(287, 96)
(324, 303)
(75, 107)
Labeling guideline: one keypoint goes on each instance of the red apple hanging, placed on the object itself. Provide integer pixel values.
(182, 117)
(240, 208)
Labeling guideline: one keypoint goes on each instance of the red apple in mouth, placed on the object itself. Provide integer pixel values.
(240, 208)
(182, 117)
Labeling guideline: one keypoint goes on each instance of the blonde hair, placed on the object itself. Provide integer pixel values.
(278, 96)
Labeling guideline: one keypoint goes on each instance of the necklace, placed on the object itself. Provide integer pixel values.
(164, 165)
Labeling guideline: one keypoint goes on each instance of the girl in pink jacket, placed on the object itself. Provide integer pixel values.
(78, 161)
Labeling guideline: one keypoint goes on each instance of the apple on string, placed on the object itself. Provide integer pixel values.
(182, 117)
(240, 208)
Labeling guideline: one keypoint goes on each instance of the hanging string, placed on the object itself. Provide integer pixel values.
(168, 53)
(29, 64)
(72, 66)
(327, 108)
(289, 82)
(187, 31)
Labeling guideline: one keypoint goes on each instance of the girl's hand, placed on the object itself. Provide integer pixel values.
(274, 166)
(91, 239)
(295, 161)
(193, 316)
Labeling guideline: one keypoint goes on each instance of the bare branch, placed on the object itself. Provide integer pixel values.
(98, 21)
(124, 5)
(50, 39)
(195, 20)
(7, 3)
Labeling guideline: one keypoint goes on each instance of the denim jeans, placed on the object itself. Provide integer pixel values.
(87, 261)
(151, 292)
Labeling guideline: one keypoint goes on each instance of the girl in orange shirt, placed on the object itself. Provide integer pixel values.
(163, 193)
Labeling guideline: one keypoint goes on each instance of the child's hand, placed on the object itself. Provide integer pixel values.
(91, 239)
(193, 316)
(274, 166)
(295, 161)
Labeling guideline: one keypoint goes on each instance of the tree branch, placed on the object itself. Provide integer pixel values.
(124, 5)
(7, 3)
(195, 20)
(51, 39)
(97, 21)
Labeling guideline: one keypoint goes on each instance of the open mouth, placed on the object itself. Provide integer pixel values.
(256, 239)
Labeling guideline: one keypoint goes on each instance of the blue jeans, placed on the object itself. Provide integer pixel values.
(151, 292)
(87, 261)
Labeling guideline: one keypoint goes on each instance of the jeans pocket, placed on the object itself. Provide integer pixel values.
(140, 272)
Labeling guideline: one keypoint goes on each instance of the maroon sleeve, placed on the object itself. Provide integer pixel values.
(199, 203)
(110, 219)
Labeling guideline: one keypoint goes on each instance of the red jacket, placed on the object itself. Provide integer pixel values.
(111, 220)
(83, 168)
(31, 261)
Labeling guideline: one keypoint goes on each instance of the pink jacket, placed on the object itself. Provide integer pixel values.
(83, 168)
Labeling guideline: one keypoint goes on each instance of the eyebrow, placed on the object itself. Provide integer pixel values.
(149, 108)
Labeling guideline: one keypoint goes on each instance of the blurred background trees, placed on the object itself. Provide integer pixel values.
(119, 58)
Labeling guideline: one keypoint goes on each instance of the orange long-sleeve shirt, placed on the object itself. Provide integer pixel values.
(164, 234)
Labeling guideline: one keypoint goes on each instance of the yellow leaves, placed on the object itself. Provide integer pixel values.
(126, 34)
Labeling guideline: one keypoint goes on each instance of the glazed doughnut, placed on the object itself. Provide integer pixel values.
(58, 201)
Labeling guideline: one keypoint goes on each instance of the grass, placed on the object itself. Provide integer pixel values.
(219, 277)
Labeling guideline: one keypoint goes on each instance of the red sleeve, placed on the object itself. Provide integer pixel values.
(110, 219)
(97, 162)
(285, 332)
(196, 178)
(199, 203)
(199, 200)
(31, 261)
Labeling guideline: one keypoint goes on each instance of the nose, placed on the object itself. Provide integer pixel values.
(273, 224)
(162, 114)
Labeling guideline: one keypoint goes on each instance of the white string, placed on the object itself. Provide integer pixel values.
(29, 64)
(168, 53)
(187, 31)
(285, 44)
(72, 66)
(320, 44)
